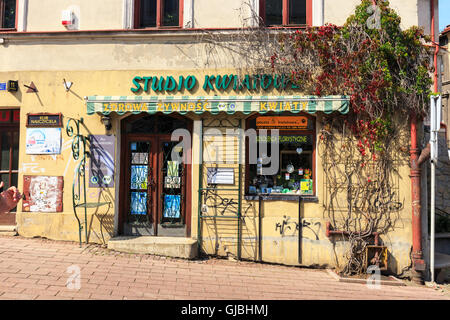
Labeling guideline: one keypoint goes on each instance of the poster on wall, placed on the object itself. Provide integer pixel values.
(220, 175)
(172, 182)
(101, 173)
(172, 206)
(42, 193)
(43, 141)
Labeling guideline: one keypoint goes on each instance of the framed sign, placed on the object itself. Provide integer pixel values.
(43, 141)
(220, 175)
(280, 122)
(42, 193)
(101, 173)
(13, 86)
(44, 120)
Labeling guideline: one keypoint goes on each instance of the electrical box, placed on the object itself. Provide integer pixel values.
(67, 18)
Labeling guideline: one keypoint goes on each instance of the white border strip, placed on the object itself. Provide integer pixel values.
(318, 13)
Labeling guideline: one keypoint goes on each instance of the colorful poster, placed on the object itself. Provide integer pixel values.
(138, 203)
(139, 175)
(43, 141)
(172, 207)
(139, 158)
(42, 193)
(101, 173)
(306, 186)
(220, 175)
(172, 182)
(172, 168)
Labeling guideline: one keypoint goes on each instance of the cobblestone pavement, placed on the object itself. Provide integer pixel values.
(38, 269)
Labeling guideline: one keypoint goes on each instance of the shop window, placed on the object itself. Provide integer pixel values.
(285, 155)
(157, 13)
(7, 14)
(285, 12)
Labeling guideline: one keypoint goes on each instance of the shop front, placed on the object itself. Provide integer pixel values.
(232, 169)
(238, 174)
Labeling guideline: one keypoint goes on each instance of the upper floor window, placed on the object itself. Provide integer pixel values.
(286, 12)
(7, 14)
(158, 13)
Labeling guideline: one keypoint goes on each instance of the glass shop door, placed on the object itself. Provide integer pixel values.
(171, 206)
(156, 180)
(141, 177)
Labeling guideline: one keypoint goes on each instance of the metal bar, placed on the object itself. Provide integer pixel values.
(225, 217)
(76, 176)
(240, 192)
(259, 229)
(225, 99)
(200, 184)
(442, 211)
(217, 189)
(433, 216)
(84, 191)
(300, 230)
(218, 135)
(10, 137)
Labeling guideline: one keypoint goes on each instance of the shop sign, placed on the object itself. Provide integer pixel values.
(101, 173)
(298, 139)
(160, 106)
(212, 82)
(202, 105)
(2, 86)
(44, 120)
(280, 106)
(295, 122)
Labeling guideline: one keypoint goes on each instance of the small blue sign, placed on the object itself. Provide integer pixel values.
(2, 86)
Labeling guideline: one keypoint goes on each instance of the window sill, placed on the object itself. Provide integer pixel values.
(158, 28)
(288, 26)
(282, 197)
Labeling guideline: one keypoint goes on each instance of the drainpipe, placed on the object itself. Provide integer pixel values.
(417, 254)
(433, 165)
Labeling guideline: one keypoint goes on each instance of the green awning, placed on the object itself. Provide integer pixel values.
(215, 104)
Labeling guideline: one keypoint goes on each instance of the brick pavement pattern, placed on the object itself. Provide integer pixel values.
(37, 269)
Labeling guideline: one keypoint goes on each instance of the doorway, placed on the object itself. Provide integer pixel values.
(9, 156)
(155, 177)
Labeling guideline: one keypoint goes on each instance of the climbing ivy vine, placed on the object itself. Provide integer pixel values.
(385, 71)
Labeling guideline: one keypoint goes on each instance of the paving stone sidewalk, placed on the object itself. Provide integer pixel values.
(40, 269)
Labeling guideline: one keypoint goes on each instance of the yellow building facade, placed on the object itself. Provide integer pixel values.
(144, 90)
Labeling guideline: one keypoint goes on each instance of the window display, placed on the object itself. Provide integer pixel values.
(295, 161)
